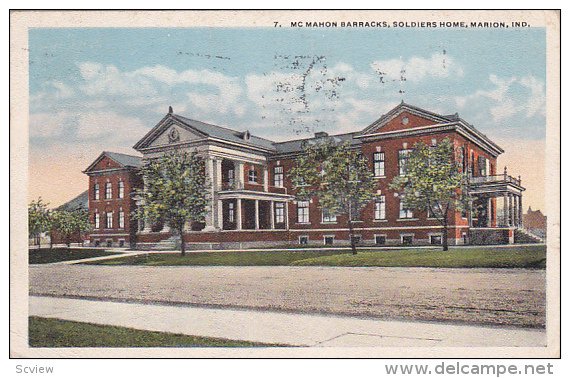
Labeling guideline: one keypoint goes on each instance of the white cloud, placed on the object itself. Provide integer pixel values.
(93, 125)
(418, 68)
(508, 97)
(48, 125)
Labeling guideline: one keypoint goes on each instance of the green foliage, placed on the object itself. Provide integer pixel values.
(175, 190)
(39, 219)
(67, 222)
(433, 180)
(337, 175)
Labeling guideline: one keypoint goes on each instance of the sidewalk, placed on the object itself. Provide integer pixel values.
(282, 328)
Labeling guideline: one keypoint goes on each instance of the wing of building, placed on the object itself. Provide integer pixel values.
(252, 199)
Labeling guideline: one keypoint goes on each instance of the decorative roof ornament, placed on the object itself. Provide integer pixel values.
(170, 111)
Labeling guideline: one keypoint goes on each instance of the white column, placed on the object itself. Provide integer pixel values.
(240, 172)
(220, 216)
(511, 223)
(218, 174)
(505, 211)
(520, 211)
(272, 214)
(211, 207)
(257, 214)
(238, 214)
(489, 212)
(515, 211)
(265, 179)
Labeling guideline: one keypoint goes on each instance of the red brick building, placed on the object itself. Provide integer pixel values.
(253, 202)
(113, 178)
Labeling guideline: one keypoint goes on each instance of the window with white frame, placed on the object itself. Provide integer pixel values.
(380, 239)
(252, 175)
(328, 216)
(231, 212)
(279, 212)
(303, 212)
(96, 192)
(380, 208)
(96, 220)
(435, 239)
(403, 156)
(405, 213)
(109, 219)
(121, 218)
(303, 240)
(407, 239)
(379, 164)
(108, 190)
(278, 176)
(328, 239)
(121, 193)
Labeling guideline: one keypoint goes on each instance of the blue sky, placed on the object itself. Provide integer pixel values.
(96, 89)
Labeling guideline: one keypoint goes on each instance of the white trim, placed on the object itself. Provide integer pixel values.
(108, 235)
(379, 228)
(407, 219)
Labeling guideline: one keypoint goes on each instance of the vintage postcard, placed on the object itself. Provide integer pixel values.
(285, 184)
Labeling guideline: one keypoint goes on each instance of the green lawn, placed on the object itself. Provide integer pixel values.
(45, 255)
(484, 257)
(54, 333)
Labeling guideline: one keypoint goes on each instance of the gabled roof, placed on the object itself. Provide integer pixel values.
(79, 202)
(296, 146)
(124, 160)
(394, 112)
(206, 130)
(376, 126)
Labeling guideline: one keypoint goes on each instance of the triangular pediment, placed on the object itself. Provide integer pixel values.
(169, 131)
(404, 117)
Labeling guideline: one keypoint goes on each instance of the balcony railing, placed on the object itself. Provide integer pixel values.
(495, 179)
(233, 185)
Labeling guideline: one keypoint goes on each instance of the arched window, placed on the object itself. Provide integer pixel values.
(108, 190)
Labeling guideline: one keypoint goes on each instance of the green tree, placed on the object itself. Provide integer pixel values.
(39, 219)
(175, 191)
(433, 181)
(70, 222)
(338, 176)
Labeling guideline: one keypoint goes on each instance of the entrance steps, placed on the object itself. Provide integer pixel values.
(522, 236)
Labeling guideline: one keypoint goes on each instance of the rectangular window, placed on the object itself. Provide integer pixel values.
(482, 162)
(231, 212)
(407, 239)
(231, 178)
(121, 219)
(328, 216)
(435, 239)
(303, 240)
(97, 220)
(356, 239)
(380, 208)
(379, 164)
(121, 189)
(96, 193)
(303, 212)
(379, 239)
(109, 220)
(405, 213)
(252, 176)
(403, 156)
(278, 177)
(279, 212)
(329, 240)
(108, 190)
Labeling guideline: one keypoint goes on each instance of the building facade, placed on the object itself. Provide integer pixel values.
(253, 202)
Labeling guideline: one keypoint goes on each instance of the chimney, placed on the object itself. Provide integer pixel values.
(321, 134)
(170, 110)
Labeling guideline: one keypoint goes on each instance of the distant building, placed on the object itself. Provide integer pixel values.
(535, 222)
(253, 201)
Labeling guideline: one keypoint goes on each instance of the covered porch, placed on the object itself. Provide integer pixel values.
(496, 201)
(247, 211)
